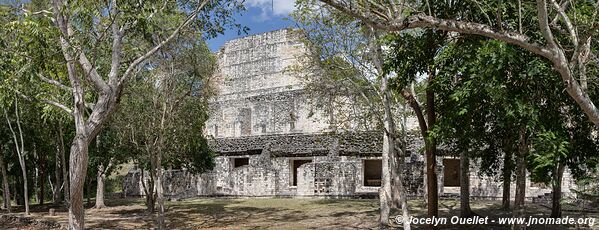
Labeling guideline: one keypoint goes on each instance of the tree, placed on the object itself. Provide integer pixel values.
(346, 72)
(103, 48)
(6, 198)
(499, 109)
(106, 153)
(155, 118)
(409, 63)
(19, 144)
(567, 43)
(487, 110)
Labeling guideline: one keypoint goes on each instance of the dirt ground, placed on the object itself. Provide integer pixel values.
(259, 213)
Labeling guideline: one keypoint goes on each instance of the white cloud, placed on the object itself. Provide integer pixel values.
(272, 7)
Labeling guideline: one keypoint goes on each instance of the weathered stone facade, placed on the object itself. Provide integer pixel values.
(270, 143)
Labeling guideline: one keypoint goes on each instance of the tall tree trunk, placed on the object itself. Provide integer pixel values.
(100, 191)
(42, 178)
(399, 191)
(507, 181)
(101, 178)
(36, 186)
(41, 183)
(159, 175)
(149, 188)
(5, 188)
(57, 180)
(20, 148)
(465, 210)
(63, 164)
(78, 170)
(520, 177)
(18, 190)
(408, 95)
(88, 187)
(556, 207)
(160, 198)
(431, 152)
(385, 190)
(25, 188)
(425, 183)
(388, 132)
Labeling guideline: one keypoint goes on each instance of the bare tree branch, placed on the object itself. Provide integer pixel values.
(91, 73)
(567, 21)
(58, 105)
(54, 82)
(44, 100)
(425, 21)
(544, 24)
(117, 44)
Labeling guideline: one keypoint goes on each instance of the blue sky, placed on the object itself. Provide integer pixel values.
(261, 16)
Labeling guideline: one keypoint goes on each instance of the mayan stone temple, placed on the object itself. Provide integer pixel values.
(269, 142)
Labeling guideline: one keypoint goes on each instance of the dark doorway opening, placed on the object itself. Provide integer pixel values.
(451, 172)
(295, 164)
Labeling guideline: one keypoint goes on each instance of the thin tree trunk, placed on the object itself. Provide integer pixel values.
(159, 176)
(399, 191)
(556, 207)
(520, 178)
(431, 153)
(20, 146)
(57, 180)
(101, 178)
(18, 190)
(149, 187)
(160, 198)
(88, 187)
(5, 188)
(36, 186)
(42, 189)
(465, 210)
(387, 155)
(425, 183)
(63, 165)
(507, 181)
(100, 191)
(25, 188)
(42, 178)
(385, 193)
(408, 95)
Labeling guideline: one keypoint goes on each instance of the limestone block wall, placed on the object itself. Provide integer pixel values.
(206, 184)
(336, 169)
(132, 183)
(325, 176)
(491, 187)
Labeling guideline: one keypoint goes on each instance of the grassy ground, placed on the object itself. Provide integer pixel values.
(267, 213)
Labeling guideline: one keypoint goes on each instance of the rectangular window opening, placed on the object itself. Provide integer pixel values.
(241, 161)
(373, 172)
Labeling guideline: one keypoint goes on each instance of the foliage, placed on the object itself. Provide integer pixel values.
(169, 103)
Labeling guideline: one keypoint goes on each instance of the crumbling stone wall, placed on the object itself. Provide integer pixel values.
(336, 168)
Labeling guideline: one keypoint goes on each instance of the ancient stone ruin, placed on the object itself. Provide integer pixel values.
(269, 142)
